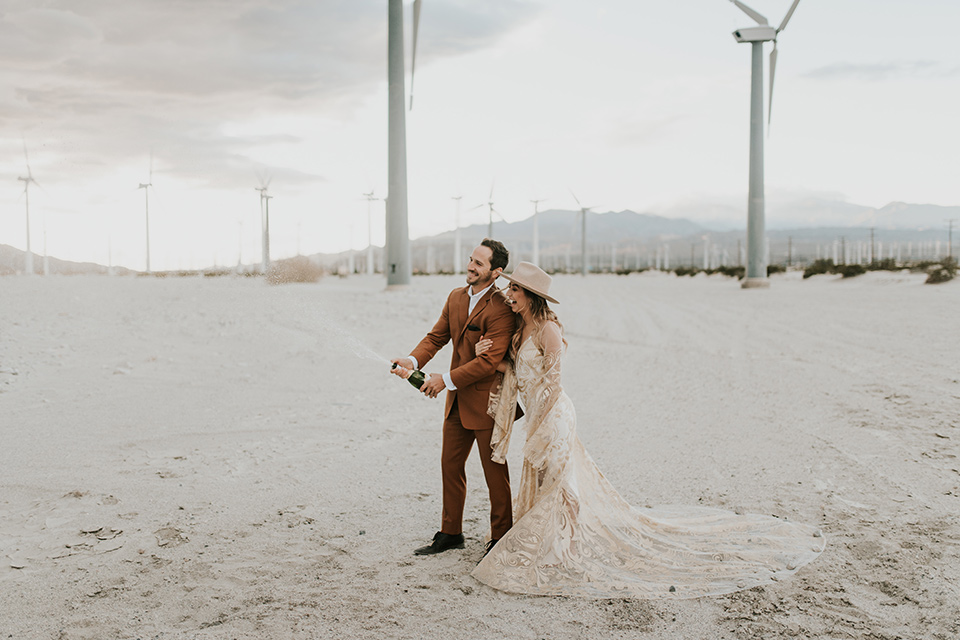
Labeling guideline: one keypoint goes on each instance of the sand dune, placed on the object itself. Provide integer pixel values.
(217, 458)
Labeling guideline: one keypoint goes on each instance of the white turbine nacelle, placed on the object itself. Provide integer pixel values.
(763, 33)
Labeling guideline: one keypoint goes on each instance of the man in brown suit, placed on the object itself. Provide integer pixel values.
(476, 310)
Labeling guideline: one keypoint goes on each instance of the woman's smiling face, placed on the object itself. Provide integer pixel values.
(517, 298)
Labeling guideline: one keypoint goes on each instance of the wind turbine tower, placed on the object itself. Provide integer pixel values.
(398, 266)
(756, 275)
(264, 232)
(370, 200)
(536, 231)
(583, 234)
(28, 258)
(46, 257)
(490, 212)
(146, 196)
(457, 240)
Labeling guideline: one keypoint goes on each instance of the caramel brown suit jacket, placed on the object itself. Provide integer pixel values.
(472, 375)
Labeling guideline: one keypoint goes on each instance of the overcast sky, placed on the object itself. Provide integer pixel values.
(632, 104)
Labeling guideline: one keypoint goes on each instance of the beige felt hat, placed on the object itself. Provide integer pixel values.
(533, 278)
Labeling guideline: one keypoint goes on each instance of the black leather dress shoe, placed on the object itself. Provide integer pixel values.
(441, 542)
(490, 545)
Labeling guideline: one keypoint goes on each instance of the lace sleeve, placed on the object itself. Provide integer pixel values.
(542, 439)
(502, 408)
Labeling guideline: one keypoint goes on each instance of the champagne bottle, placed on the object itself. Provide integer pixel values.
(415, 377)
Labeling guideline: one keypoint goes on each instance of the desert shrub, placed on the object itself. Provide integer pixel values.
(732, 271)
(686, 271)
(944, 271)
(298, 269)
(823, 265)
(922, 266)
(851, 270)
(775, 268)
(887, 264)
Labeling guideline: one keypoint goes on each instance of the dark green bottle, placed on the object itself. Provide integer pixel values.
(416, 377)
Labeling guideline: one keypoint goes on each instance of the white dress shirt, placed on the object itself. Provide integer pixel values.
(474, 299)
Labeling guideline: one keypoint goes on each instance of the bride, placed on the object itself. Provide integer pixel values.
(573, 534)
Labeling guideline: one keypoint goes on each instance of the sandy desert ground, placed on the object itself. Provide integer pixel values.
(219, 458)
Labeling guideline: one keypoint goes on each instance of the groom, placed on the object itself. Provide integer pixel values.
(478, 309)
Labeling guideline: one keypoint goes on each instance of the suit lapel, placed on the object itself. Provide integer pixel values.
(459, 316)
(483, 302)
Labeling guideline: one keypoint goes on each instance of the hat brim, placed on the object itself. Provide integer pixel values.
(526, 286)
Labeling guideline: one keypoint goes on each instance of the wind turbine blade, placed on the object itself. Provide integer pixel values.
(575, 197)
(26, 159)
(773, 69)
(413, 56)
(750, 12)
(482, 204)
(786, 19)
(500, 215)
(491, 189)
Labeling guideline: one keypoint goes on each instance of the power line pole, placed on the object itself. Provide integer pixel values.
(873, 253)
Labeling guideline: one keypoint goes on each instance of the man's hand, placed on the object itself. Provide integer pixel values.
(433, 386)
(406, 363)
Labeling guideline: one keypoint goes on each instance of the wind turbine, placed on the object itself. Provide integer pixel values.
(457, 244)
(266, 232)
(583, 234)
(46, 257)
(28, 257)
(491, 211)
(397, 230)
(146, 195)
(756, 275)
(370, 200)
(264, 226)
(536, 231)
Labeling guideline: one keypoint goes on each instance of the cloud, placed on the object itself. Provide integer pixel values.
(874, 72)
(634, 132)
(108, 80)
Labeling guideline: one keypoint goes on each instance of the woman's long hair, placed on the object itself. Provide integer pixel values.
(542, 313)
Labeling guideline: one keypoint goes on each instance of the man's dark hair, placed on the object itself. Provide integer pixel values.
(501, 257)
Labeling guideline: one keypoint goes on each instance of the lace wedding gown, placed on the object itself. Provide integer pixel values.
(574, 535)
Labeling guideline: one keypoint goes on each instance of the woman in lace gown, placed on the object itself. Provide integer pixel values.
(573, 534)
